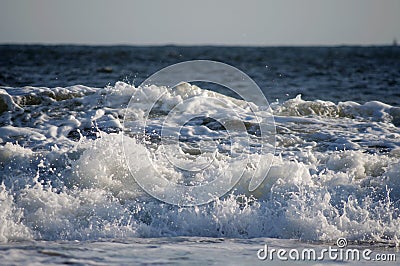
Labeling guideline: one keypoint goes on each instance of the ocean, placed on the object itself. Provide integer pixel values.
(91, 141)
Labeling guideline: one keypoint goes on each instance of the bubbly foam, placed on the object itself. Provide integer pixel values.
(64, 175)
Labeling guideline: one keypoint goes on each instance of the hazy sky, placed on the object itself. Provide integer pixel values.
(280, 22)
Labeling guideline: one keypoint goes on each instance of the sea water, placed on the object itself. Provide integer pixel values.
(68, 195)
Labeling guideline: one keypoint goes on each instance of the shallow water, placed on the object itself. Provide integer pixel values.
(173, 251)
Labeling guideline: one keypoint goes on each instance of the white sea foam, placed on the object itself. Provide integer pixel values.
(336, 171)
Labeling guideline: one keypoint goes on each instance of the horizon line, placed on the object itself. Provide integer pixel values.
(394, 43)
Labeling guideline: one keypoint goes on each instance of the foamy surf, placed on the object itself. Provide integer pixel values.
(336, 171)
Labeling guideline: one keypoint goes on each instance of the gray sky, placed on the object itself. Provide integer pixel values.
(231, 22)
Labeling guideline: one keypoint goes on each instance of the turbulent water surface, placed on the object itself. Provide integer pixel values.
(67, 193)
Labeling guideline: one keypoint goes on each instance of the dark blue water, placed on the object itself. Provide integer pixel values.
(327, 73)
